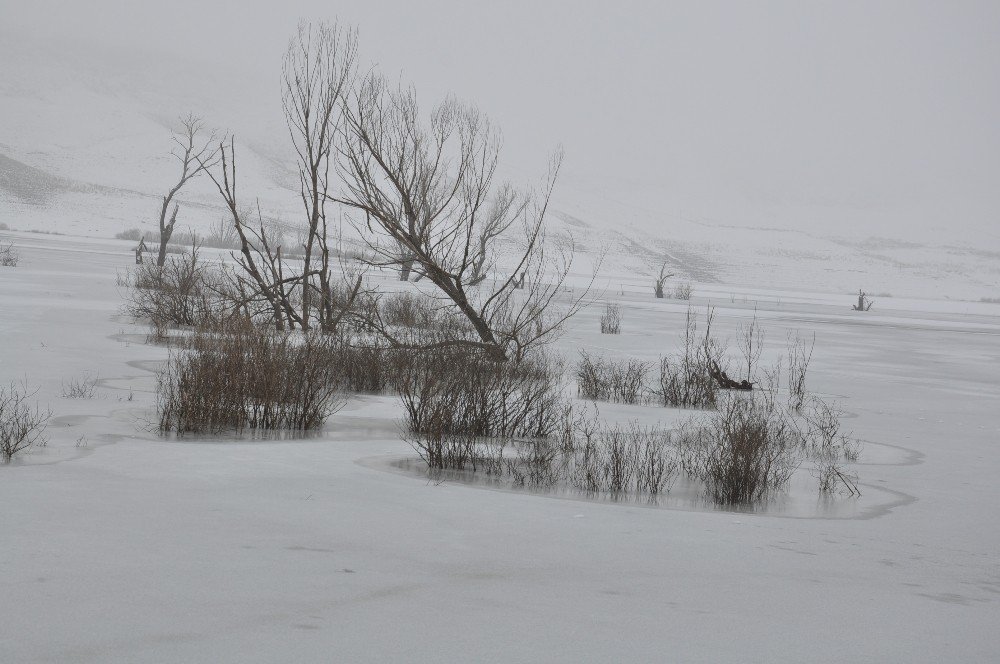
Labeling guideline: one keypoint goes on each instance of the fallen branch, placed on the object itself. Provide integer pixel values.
(724, 381)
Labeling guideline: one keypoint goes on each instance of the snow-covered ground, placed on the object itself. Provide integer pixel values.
(767, 165)
(119, 545)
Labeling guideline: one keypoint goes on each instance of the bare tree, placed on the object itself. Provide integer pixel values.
(318, 70)
(405, 259)
(430, 190)
(195, 156)
(483, 256)
(262, 276)
(662, 279)
(422, 198)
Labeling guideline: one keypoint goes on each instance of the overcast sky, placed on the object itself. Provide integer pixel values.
(844, 104)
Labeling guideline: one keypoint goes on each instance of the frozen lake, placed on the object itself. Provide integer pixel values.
(119, 545)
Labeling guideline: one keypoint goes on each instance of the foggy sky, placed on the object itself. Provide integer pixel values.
(848, 105)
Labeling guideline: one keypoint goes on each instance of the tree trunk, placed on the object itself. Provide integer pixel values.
(404, 269)
(166, 230)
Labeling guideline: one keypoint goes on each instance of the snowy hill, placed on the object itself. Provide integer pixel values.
(85, 146)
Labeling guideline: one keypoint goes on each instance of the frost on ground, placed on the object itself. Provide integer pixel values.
(120, 545)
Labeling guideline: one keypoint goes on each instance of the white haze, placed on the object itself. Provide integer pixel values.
(855, 120)
(765, 149)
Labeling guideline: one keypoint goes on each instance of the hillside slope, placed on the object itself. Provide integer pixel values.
(84, 150)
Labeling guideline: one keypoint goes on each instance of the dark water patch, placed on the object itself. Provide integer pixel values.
(335, 429)
(800, 501)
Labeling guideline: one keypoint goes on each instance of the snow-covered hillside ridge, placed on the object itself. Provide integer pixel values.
(85, 145)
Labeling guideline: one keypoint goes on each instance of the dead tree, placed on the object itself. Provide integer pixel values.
(864, 303)
(262, 276)
(405, 261)
(405, 268)
(262, 272)
(483, 257)
(317, 72)
(713, 354)
(195, 156)
(429, 188)
(661, 280)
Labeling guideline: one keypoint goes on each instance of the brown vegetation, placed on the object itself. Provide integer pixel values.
(22, 424)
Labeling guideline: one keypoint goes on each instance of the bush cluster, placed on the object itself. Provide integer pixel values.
(624, 459)
(604, 379)
(454, 392)
(748, 450)
(248, 378)
(22, 424)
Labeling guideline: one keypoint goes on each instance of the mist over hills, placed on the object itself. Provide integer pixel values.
(730, 172)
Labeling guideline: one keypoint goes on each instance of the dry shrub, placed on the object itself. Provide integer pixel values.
(747, 449)
(79, 388)
(446, 451)
(624, 459)
(692, 444)
(799, 356)
(617, 460)
(222, 235)
(133, 234)
(829, 448)
(408, 310)
(536, 464)
(683, 291)
(685, 378)
(364, 368)
(833, 479)
(611, 319)
(382, 336)
(188, 292)
(8, 255)
(686, 383)
(22, 424)
(248, 379)
(460, 451)
(750, 340)
(452, 394)
(412, 317)
(366, 363)
(603, 379)
(174, 294)
(591, 380)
